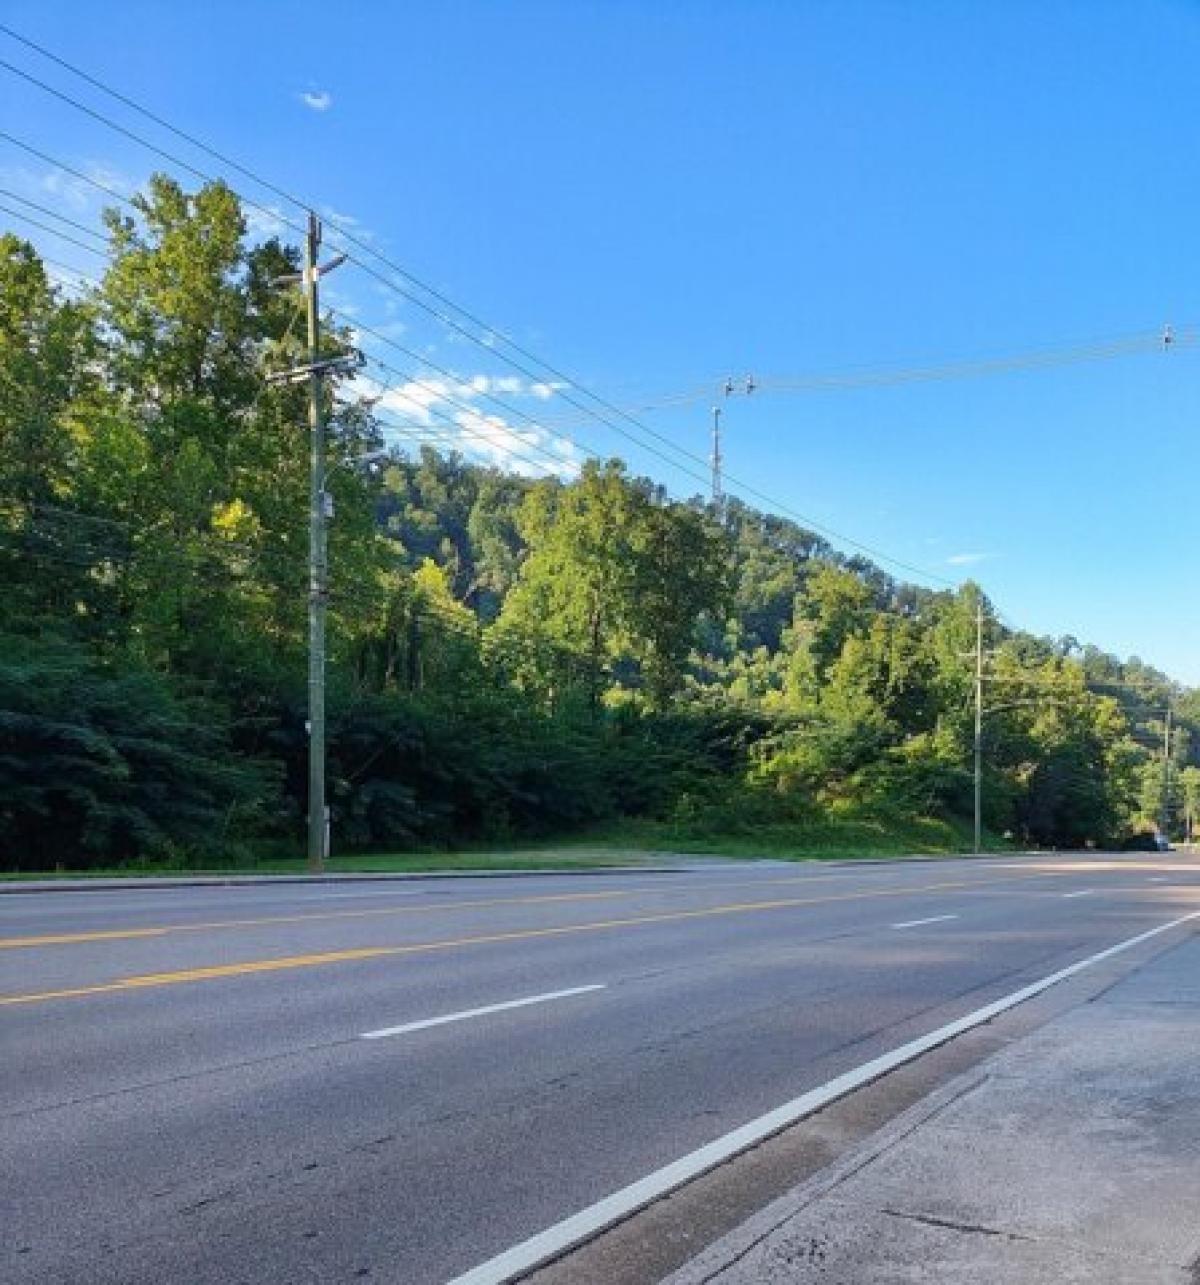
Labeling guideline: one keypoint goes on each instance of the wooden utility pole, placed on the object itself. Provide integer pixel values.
(318, 586)
(320, 509)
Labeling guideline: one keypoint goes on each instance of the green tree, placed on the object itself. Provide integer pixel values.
(615, 580)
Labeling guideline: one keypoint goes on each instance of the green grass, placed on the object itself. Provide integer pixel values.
(832, 837)
(625, 844)
(561, 856)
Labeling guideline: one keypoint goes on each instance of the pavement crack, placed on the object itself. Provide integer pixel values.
(949, 1224)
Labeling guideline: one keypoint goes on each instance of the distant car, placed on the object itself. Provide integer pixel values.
(1143, 841)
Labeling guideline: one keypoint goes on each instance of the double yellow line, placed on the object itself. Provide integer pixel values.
(166, 930)
(146, 980)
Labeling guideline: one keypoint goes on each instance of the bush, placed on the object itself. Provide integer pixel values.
(99, 766)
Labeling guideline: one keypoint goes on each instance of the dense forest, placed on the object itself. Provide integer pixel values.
(509, 657)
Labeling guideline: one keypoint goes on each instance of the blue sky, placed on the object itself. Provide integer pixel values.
(652, 196)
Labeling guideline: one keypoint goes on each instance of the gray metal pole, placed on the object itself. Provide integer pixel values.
(1165, 819)
(317, 588)
(979, 727)
(718, 497)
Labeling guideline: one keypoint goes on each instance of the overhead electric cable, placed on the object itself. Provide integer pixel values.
(46, 227)
(411, 380)
(489, 396)
(454, 429)
(54, 214)
(491, 332)
(67, 169)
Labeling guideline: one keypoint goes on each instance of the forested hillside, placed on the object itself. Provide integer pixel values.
(508, 657)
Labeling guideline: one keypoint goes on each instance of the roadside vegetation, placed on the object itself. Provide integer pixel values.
(512, 660)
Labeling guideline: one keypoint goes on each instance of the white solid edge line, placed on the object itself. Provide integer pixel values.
(589, 1222)
(916, 923)
(1083, 892)
(446, 1018)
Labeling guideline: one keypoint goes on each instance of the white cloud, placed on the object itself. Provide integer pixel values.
(264, 221)
(448, 410)
(350, 224)
(968, 559)
(415, 399)
(70, 192)
(320, 100)
(342, 220)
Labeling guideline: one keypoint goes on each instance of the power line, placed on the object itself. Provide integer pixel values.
(301, 204)
(960, 368)
(557, 374)
(68, 169)
(54, 214)
(442, 440)
(350, 321)
(448, 436)
(559, 461)
(380, 337)
(451, 440)
(46, 227)
(1100, 350)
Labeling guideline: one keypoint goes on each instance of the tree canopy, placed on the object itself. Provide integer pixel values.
(508, 656)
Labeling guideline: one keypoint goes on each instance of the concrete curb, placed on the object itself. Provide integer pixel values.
(688, 863)
(159, 882)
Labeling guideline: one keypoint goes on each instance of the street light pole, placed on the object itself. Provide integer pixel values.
(1165, 818)
(979, 727)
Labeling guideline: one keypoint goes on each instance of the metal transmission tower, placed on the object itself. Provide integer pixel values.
(717, 460)
(320, 510)
(718, 497)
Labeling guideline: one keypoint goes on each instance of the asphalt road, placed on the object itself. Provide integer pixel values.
(188, 1094)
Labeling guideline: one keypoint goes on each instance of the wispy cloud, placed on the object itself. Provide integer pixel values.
(68, 191)
(264, 220)
(968, 559)
(319, 100)
(340, 219)
(449, 409)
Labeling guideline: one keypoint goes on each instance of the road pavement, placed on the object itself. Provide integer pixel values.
(399, 1083)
